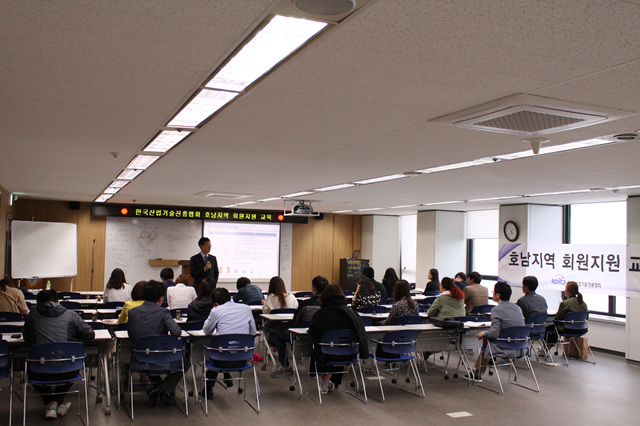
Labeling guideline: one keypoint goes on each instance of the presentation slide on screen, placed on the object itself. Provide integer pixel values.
(244, 249)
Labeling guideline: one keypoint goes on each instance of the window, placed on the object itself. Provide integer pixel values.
(600, 223)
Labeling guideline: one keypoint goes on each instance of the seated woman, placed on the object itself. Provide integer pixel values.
(450, 303)
(403, 304)
(12, 299)
(333, 315)
(572, 303)
(434, 281)
(137, 296)
(366, 295)
(117, 289)
(389, 280)
(278, 297)
(200, 308)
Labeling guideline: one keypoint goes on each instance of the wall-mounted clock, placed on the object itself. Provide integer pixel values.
(511, 230)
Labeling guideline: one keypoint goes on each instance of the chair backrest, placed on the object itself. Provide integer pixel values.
(367, 321)
(96, 325)
(159, 349)
(303, 294)
(386, 301)
(4, 353)
(283, 311)
(112, 305)
(348, 293)
(193, 325)
(468, 318)
(514, 338)
(481, 309)
(71, 305)
(69, 295)
(29, 296)
(428, 300)
(255, 302)
(575, 320)
(432, 293)
(408, 319)
(536, 323)
(373, 310)
(10, 328)
(340, 342)
(58, 357)
(10, 317)
(400, 342)
(231, 347)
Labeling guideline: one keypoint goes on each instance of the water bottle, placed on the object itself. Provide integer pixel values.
(48, 284)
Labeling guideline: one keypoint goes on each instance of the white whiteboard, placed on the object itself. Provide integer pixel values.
(44, 249)
(131, 243)
(249, 250)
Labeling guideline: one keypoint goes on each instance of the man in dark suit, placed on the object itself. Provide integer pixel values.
(203, 265)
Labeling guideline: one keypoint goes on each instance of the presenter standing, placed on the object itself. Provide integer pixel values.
(203, 265)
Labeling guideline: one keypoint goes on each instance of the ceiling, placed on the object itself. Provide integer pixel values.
(82, 80)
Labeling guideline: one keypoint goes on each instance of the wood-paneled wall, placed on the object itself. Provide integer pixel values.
(318, 245)
(90, 229)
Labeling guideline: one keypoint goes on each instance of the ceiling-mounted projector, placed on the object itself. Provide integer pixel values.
(303, 208)
(299, 208)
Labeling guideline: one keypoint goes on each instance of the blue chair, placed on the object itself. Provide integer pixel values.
(427, 301)
(71, 305)
(340, 344)
(408, 319)
(6, 370)
(482, 310)
(283, 311)
(69, 295)
(432, 293)
(256, 302)
(112, 305)
(373, 310)
(29, 296)
(11, 317)
(228, 353)
(10, 328)
(397, 347)
(513, 343)
(538, 331)
(367, 321)
(96, 325)
(160, 349)
(575, 325)
(348, 293)
(56, 359)
(303, 294)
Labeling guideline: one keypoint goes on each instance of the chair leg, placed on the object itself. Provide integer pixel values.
(131, 392)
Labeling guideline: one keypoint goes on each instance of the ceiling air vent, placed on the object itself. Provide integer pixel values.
(529, 115)
(221, 195)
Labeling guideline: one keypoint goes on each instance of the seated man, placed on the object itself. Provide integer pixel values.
(474, 293)
(302, 317)
(505, 315)
(51, 322)
(248, 293)
(461, 280)
(148, 319)
(531, 303)
(227, 317)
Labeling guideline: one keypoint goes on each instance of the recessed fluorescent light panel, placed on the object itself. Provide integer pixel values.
(102, 198)
(277, 40)
(335, 187)
(269, 199)
(455, 166)
(166, 140)
(201, 107)
(118, 184)
(380, 179)
(369, 210)
(111, 190)
(142, 162)
(129, 174)
(296, 194)
(440, 203)
(403, 207)
(344, 211)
